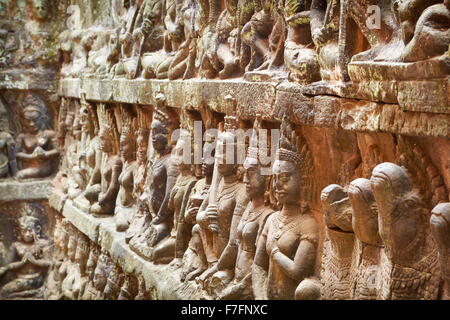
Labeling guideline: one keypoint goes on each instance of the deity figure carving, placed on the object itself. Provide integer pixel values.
(431, 36)
(75, 282)
(162, 175)
(221, 50)
(125, 198)
(99, 51)
(144, 118)
(170, 218)
(338, 247)
(36, 146)
(113, 283)
(227, 200)
(299, 57)
(239, 254)
(103, 268)
(324, 21)
(440, 228)
(102, 195)
(141, 32)
(287, 247)
(194, 259)
(130, 288)
(30, 261)
(54, 280)
(410, 261)
(86, 152)
(366, 258)
(90, 292)
(183, 64)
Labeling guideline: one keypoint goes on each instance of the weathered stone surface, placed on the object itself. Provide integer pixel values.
(12, 190)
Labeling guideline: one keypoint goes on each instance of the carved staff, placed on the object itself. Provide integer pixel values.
(343, 41)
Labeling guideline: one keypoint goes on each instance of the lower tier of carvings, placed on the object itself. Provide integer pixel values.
(160, 281)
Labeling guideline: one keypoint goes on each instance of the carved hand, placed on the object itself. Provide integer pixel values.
(191, 214)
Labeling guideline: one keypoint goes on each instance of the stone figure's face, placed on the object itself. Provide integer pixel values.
(365, 213)
(105, 141)
(142, 146)
(178, 157)
(226, 155)
(41, 8)
(208, 163)
(32, 120)
(159, 136)
(126, 147)
(28, 232)
(255, 183)
(287, 182)
(86, 124)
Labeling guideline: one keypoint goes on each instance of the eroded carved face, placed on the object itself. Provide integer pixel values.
(85, 120)
(255, 183)
(41, 8)
(28, 232)
(287, 182)
(365, 212)
(32, 120)
(126, 147)
(105, 141)
(208, 157)
(142, 146)
(178, 156)
(159, 136)
(226, 155)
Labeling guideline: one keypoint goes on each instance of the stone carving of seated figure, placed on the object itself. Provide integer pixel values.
(30, 263)
(73, 285)
(36, 146)
(102, 195)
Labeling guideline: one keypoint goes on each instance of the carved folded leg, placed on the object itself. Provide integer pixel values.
(22, 287)
(164, 252)
(92, 192)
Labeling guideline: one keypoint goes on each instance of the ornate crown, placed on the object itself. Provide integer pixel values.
(287, 146)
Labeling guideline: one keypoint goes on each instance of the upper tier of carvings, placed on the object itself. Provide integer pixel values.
(304, 41)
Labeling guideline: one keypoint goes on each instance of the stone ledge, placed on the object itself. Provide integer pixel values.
(270, 100)
(162, 280)
(13, 190)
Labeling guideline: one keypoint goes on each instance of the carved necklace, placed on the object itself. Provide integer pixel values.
(253, 214)
(227, 189)
(284, 224)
